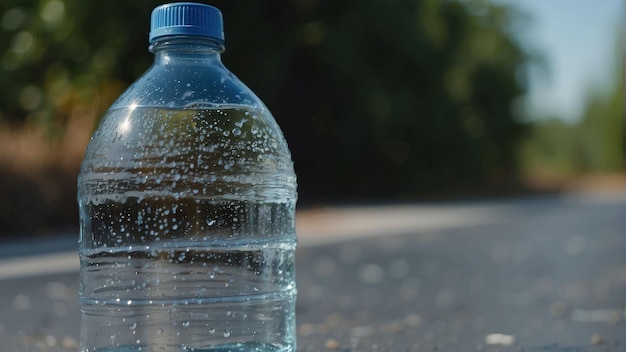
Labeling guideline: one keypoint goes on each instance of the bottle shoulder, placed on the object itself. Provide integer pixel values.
(184, 85)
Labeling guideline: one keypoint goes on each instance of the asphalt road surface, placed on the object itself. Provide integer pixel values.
(534, 274)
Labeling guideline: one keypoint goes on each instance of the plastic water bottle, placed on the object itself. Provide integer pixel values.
(187, 196)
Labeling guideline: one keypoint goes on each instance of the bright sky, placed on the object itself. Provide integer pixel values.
(578, 39)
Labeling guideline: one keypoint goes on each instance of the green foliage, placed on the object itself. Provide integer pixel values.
(595, 144)
(552, 148)
(64, 55)
(602, 131)
(387, 97)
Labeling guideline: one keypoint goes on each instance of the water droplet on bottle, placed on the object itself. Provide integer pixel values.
(236, 131)
(226, 333)
(212, 275)
(210, 222)
(132, 326)
(186, 323)
(212, 331)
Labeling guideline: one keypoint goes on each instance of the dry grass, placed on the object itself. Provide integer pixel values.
(38, 175)
(602, 183)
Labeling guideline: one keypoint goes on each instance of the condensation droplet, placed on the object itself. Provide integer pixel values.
(226, 333)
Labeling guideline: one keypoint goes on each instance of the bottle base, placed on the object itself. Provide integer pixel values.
(236, 347)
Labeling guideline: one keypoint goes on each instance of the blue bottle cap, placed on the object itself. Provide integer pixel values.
(186, 18)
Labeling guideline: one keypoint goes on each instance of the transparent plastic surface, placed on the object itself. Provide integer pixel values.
(187, 199)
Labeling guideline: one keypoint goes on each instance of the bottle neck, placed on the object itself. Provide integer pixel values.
(169, 50)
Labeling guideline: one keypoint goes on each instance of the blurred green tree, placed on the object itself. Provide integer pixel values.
(601, 131)
(68, 55)
(560, 150)
(384, 98)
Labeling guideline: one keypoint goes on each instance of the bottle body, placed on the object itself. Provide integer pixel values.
(187, 200)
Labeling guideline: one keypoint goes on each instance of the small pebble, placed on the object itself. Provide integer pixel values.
(597, 339)
(413, 320)
(558, 309)
(499, 339)
(70, 344)
(332, 344)
(50, 341)
(306, 329)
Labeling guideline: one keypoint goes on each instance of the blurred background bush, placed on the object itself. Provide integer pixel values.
(379, 100)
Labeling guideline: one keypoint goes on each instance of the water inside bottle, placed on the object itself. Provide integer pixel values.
(187, 232)
(190, 296)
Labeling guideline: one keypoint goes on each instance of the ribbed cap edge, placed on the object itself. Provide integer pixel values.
(186, 18)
